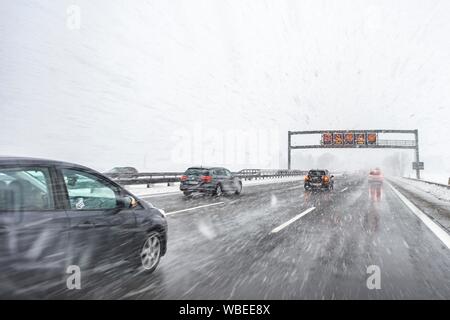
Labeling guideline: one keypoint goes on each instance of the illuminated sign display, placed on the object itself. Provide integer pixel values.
(360, 138)
(371, 138)
(349, 138)
(327, 138)
(338, 138)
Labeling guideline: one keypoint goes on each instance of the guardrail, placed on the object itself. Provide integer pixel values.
(431, 182)
(149, 178)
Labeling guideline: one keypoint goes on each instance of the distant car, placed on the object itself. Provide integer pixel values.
(319, 179)
(117, 172)
(375, 176)
(56, 214)
(211, 180)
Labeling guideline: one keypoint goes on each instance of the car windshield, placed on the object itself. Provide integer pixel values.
(216, 112)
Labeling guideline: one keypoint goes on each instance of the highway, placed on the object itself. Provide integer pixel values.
(276, 241)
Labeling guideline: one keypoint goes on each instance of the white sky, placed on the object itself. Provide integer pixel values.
(153, 84)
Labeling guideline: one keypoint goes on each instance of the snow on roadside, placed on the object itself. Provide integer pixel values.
(440, 192)
(162, 188)
(438, 178)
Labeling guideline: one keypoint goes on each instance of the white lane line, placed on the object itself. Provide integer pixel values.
(194, 208)
(284, 225)
(344, 189)
(153, 195)
(438, 232)
(296, 187)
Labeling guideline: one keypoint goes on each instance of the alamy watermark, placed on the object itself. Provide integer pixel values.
(73, 17)
(245, 148)
(73, 281)
(374, 280)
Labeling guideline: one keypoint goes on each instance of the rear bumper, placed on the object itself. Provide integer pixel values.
(203, 188)
(322, 185)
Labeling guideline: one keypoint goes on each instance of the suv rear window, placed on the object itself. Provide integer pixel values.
(196, 172)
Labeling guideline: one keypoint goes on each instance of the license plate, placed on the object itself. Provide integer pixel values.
(316, 184)
(192, 182)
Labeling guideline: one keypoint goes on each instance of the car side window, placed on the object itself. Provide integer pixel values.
(89, 192)
(227, 173)
(25, 189)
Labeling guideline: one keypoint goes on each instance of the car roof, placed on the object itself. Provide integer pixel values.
(10, 160)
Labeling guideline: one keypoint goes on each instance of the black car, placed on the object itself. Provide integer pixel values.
(55, 214)
(211, 180)
(319, 179)
(118, 172)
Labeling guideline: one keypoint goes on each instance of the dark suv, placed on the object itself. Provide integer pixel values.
(319, 179)
(214, 181)
(54, 215)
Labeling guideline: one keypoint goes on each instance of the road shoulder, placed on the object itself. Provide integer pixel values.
(436, 209)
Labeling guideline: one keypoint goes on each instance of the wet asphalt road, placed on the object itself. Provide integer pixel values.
(227, 251)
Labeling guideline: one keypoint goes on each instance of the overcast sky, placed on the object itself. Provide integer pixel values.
(164, 84)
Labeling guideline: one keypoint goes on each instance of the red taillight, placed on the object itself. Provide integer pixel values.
(325, 178)
(183, 178)
(306, 178)
(206, 179)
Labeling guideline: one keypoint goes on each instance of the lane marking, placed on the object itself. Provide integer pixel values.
(344, 189)
(284, 225)
(158, 194)
(438, 232)
(194, 208)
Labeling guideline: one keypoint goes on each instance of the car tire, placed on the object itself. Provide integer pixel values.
(187, 193)
(238, 188)
(150, 253)
(218, 191)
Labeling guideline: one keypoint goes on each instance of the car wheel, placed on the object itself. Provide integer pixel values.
(218, 191)
(238, 188)
(187, 193)
(151, 252)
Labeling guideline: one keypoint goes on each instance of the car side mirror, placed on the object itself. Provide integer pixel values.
(128, 202)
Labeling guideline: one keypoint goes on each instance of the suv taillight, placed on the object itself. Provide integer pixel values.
(325, 178)
(183, 178)
(206, 179)
(306, 178)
